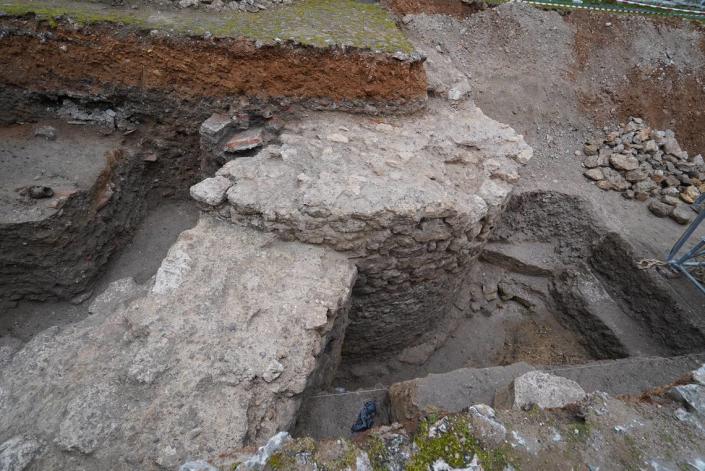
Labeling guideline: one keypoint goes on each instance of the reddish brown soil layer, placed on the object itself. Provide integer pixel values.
(666, 97)
(443, 7)
(679, 103)
(94, 59)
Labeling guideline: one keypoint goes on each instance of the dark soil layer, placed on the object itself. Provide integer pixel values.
(60, 256)
(98, 59)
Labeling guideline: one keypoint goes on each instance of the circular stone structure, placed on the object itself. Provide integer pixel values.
(410, 200)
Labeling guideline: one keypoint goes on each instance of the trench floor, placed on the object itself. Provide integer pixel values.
(139, 259)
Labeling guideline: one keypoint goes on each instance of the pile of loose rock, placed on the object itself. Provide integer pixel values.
(647, 165)
(242, 5)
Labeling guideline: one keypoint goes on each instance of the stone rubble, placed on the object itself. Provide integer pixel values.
(411, 202)
(579, 431)
(647, 165)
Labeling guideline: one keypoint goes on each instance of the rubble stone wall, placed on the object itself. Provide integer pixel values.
(409, 201)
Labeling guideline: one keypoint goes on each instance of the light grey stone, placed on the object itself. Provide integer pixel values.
(47, 132)
(406, 204)
(258, 461)
(650, 146)
(211, 191)
(594, 174)
(645, 186)
(488, 430)
(692, 396)
(17, 453)
(682, 214)
(545, 390)
(591, 161)
(624, 162)
(636, 175)
(660, 208)
(670, 146)
(215, 127)
(135, 382)
(699, 375)
(362, 462)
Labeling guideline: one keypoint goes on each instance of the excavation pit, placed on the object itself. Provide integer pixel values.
(343, 258)
(69, 196)
(540, 284)
(553, 289)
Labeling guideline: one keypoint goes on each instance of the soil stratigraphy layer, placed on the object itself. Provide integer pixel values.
(53, 49)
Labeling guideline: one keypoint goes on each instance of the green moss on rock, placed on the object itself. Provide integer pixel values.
(457, 446)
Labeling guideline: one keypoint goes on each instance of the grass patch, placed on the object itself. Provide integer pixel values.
(318, 23)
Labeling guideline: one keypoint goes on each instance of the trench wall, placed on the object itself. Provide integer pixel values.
(102, 58)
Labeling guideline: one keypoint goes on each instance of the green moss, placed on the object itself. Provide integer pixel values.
(457, 447)
(579, 431)
(317, 23)
(286, 458)
(377, 453)
(347, 461)
(79, 15)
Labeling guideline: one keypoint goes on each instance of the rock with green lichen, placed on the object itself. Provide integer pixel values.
(599, 431)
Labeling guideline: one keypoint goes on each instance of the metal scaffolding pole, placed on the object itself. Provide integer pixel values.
(694, 258)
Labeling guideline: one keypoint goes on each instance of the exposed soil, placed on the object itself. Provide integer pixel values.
(139, 259)
(558, 78)
(455, 8)
(56, 249)
(98, 59)
(663, 83)
(553, 289)
(541, 343)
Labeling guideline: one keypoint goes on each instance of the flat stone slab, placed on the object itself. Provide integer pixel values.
(458, 389)
(452, 391)
(236, 327)
(545, 390)
(527, 258)
(334, 167)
